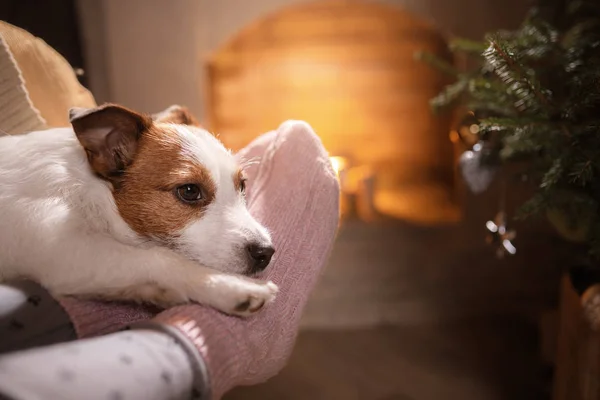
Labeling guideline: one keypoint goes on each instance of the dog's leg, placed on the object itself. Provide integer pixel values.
(97, 266)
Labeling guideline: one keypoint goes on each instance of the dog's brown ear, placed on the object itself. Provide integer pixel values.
(109, 134)
(176, 114)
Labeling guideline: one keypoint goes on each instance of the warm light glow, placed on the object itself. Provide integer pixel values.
(339, 164)
(345, 87)
(454, 137)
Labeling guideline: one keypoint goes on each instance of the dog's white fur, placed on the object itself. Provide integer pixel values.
(60, 226)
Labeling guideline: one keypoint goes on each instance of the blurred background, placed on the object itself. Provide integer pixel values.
(414, 304)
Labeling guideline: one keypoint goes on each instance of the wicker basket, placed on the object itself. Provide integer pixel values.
(578, 355)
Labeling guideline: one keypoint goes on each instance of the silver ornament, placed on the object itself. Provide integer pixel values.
(477, 175)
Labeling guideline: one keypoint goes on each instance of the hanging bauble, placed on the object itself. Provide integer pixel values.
(476, 169)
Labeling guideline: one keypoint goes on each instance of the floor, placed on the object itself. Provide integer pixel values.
(479, 359)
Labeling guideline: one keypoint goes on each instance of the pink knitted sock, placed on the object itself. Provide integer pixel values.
(295, 194)
(95, 318)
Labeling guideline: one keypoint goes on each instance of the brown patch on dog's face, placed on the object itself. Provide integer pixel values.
(173, 184)
(176, 114)
(149, 200)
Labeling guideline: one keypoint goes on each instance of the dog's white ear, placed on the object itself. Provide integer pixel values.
(176, 114)
(109, 134)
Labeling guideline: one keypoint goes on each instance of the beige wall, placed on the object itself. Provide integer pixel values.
(148, 54)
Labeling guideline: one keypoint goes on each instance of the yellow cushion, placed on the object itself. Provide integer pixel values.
(50, 80)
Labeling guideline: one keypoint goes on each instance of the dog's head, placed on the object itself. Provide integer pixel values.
(175, 184)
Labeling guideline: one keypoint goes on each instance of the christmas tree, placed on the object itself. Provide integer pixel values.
(535, 99)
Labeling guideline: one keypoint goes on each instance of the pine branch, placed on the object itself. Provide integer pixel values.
(467, 46)
(535, 40)
(532, 207)
(490, 95)
(516, 77)
(582, 173)
(553, 176)
(438, 63)
(513, 123)
(449, 96)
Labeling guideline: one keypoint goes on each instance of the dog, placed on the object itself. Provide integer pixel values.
(135, 207)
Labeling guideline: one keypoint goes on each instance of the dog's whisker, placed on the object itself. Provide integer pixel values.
(250, 162)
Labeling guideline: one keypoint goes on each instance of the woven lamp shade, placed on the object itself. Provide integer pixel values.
(347, 68)
(50, 81)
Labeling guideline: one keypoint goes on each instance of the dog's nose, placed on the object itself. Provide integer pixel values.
(260, 256)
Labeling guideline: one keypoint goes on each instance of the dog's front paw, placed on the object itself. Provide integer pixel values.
(244, 297)
(254, 298)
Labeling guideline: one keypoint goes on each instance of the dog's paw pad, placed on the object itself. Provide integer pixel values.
(255, 298)
(250, 306)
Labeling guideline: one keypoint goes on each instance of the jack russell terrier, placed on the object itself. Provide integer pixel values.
(128, 206)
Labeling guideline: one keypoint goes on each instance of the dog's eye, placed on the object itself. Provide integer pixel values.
(243, 185)
(189, 193)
